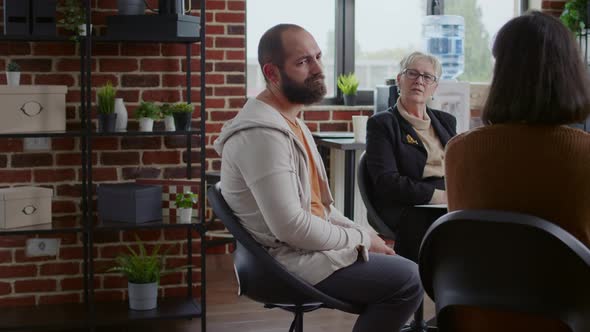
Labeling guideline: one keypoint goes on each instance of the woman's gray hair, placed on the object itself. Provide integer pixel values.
(415, 56)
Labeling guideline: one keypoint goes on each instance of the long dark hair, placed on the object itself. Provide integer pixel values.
(539, 76)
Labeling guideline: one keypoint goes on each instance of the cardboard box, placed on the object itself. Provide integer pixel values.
(25, 206)
(33, 108)
(129, 203)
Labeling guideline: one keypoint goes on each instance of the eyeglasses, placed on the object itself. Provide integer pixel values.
(414, 74)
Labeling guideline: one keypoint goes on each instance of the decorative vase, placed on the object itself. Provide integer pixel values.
(350, 100)
(182, 121)
(107, 122)
(143, 296)
(185, 215)
(13, 78)
(146, 124)
(121, 112)
(169, 123)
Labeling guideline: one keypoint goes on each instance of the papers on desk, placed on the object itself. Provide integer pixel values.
(432, 206)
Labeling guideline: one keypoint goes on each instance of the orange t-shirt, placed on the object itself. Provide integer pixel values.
(317, 208)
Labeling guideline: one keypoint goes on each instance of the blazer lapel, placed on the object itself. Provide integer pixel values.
(441, 131)
(408, 134)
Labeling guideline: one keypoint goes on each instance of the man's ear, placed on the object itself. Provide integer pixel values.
(271, 72)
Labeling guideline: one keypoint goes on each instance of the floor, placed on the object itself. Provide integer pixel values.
(227, 312)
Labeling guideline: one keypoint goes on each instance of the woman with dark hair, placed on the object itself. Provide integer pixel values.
(525, 158)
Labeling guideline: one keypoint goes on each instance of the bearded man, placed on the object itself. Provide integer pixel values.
(273, 179)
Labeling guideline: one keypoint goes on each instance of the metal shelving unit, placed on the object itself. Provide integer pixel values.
(91, 314)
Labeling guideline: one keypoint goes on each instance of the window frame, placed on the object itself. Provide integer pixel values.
(345, 37)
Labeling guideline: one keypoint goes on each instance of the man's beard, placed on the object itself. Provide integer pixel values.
(312, 90)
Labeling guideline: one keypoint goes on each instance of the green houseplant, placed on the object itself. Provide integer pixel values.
(574, 15)
(147, 112)
(183, 114)
(348, 84)
(13, 74)
(168, 117)
(143, 271)
(74, 19)
(184, 204)
(107, 119)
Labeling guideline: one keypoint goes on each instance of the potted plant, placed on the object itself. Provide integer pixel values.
(13, 74)
(184, 204)
(143, 271)
(107, 118)
(168, 117)
(574, 15)
(74, 19)
(147, 112)
(183, 114)
(348, 84)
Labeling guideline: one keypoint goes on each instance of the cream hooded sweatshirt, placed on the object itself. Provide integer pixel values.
(265, 181)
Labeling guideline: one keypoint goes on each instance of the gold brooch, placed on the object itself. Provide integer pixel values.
(411, 140)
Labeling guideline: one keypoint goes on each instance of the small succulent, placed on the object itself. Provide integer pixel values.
(186, 200)
(12, 66)
(166, 110)
(147, 109)
(182, 108)
(106, 99)
(348, 84)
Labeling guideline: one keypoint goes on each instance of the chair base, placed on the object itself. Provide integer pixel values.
(420, 327)
(298, 310)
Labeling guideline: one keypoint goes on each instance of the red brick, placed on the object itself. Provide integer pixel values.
(147, 49)
(3, 161)
(68, 159)
(16, 271)
(215, 102)
(112, 251)
(21, 257)
(108, 295)
(132, 173)
(71, 65)
(180, 172)
(167, 157)
(222, 116)
(34, 65)
(172, 80)
(236, 30)
(179, 142)
(129, 96)
(215, 29)
(225, 17)
(11, 145)
(19, 176)
(114, 281)
(215, 55)
(333, 127)
(236, 79)
(236, 5)
(140, 80)
(101, 174)
(54, 175)
(160, 65)
(106, 49)
(52, 269)
(235, 103)
(15, 48)
(54, 49)
(72, 283)
(71, 253)
(31, 160)
(99, 80)
(5, 256)
(215, 5)
(62, 143)
(230, 67)
(143, 143)
(63, 206)
(119, 158)
(344, 115)
(105, 143)
(34, 285)
(118, 65)
(54, 79)
(5, 288)
(235, 55)
(144, 235)
(230, 91)
(17, 301)
(68, 190)
(172, 279)
(60, 298)
(170, 96)
(13, 241)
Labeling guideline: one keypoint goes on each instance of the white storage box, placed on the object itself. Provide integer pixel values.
(25, 206)
(32, 108)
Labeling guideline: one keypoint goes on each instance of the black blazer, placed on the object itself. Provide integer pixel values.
(396, 158)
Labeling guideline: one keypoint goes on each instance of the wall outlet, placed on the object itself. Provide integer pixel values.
(42, 247)
(36, 144)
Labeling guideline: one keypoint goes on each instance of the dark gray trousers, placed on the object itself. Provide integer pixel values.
(388, 285)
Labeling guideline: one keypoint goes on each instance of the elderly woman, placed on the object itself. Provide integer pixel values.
(405, 154)
(525, 159)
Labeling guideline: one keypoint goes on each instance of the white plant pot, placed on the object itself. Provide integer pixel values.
(143, 296)
(146, 124)
(169, 123)
(13, 78)
(185, 215)
(82, 29)
(121, 112)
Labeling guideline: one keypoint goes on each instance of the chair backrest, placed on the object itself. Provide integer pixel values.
(508, 262)
(260, 276)
(364, 183)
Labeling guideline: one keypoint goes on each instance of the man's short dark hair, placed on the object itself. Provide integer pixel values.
(270, 47)
(539, 76)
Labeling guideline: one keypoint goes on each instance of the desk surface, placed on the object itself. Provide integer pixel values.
(432, 206)
(341, 143)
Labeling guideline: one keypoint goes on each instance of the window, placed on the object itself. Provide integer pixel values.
(383, 32)
(316, 16)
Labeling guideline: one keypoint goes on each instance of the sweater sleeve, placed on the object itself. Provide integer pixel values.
(269, 174)
(382, 166)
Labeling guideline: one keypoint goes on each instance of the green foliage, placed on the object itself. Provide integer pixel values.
(348, 83)
(182, 108)
(166, 109)
(138, 266)
(147, 109)
(74, 16)
(478, 56)
(12, 66)
(186, 200)
(574, 15)
(106, 99)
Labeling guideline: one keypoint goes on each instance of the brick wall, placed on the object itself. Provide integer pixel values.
(140, 72)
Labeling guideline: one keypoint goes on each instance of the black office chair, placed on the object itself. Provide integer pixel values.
(419, 324)
(263, 279)
(509, 262)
